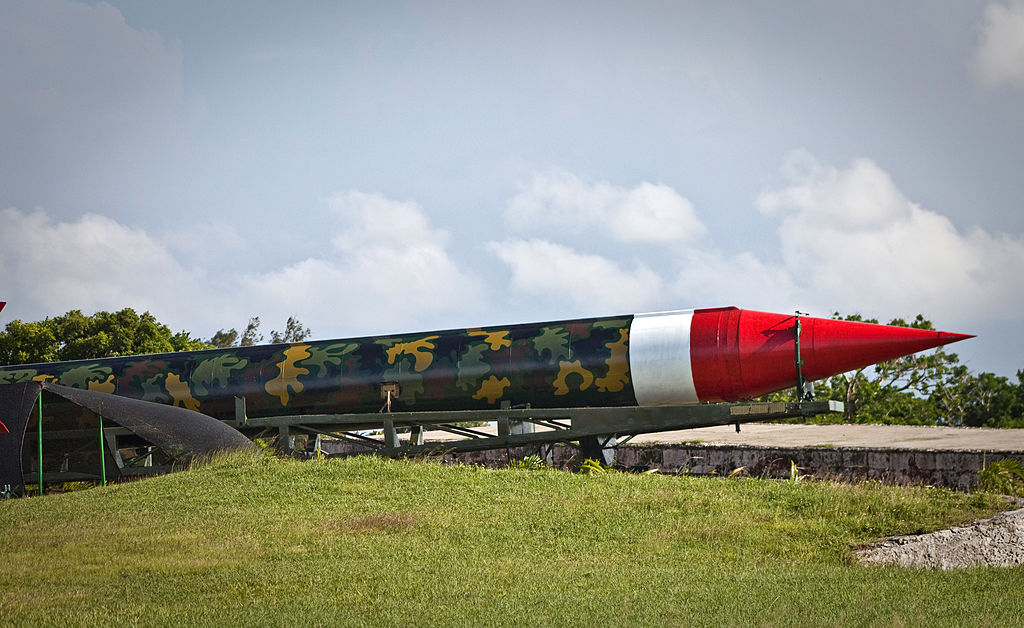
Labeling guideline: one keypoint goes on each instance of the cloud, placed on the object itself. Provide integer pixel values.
(999, 57)
(548, 270)
(591, 274)
(711, 277)
(89, 264)
(849, 238)
(388, 265)
(87, 100)
(560, 202)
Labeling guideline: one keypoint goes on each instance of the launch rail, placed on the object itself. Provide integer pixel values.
(598, 429)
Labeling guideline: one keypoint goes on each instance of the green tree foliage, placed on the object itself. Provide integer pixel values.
(75, 336)
(294, 331)
(929, 388)
(224, 339)
(983, 400)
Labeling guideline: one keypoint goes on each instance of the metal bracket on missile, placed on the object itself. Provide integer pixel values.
(597, 427)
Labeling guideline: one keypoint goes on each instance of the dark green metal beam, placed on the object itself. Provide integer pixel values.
(581, 423)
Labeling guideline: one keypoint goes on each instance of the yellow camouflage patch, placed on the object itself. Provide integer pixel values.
(44, 378)
(180, 392)
(618, 365)
(496, 339)
(105, 386)
(565, 369)
(288, 373)
(419, 349)
(492, 389)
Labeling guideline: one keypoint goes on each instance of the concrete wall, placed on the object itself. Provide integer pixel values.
(950, 469)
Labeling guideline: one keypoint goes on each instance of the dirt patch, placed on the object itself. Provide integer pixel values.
(994, 542)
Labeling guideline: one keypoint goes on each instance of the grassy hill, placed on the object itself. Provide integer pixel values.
(366, 541)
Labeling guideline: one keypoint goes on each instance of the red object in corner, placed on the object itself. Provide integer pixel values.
(738, 354)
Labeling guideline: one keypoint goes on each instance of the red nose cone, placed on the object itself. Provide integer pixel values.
(830, 347)
(738, 354)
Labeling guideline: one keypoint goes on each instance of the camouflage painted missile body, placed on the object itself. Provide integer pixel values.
(559, 364)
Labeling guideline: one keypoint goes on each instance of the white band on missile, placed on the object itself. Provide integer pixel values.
(659, 359)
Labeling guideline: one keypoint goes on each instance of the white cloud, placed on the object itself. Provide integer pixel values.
(849, 238)
(90, 264)
(710, 278)
(388, 266)
(861, 198)
(561, 202)
(999, 57)
(544, 269)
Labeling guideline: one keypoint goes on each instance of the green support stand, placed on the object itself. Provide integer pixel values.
(40, 439)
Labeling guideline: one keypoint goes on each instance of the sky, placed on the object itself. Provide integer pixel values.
(394, 167)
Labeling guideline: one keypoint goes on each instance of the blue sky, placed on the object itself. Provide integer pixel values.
(389, 167)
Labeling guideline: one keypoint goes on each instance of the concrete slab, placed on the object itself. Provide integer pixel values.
(871, 436)
(839, 436)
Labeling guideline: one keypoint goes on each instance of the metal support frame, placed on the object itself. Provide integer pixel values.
(40, 442)
(804, 389)
(139, 465)
(103, 454)
(550, 425)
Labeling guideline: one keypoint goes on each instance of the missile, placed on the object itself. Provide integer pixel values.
(657, 359)
(738, 354)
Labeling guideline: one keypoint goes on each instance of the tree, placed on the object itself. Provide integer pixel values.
(251, 336)
(983, 400)
(75, 336)
(24, 343)
(294, 331)
(224, 339)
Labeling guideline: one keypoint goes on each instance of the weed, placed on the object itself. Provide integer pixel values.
(530, 463)
(1005, 476)
(591, 466)
(794, 472)
(68, 487)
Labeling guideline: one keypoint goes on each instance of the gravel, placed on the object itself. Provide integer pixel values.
(994, 542)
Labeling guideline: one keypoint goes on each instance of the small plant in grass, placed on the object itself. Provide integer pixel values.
(68, 487)
(1005, 476)
(591, 466)
(794, 472)
(530, 463)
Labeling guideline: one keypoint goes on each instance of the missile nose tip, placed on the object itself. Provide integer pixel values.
(949, 337)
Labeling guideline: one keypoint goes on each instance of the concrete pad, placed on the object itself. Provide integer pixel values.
(839, 436)
(873, 436)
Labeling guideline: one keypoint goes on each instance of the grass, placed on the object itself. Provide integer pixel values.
(366, 541)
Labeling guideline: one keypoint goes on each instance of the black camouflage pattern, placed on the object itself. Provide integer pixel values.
(548, 365)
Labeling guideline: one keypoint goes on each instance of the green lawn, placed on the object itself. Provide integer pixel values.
(365, 541)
